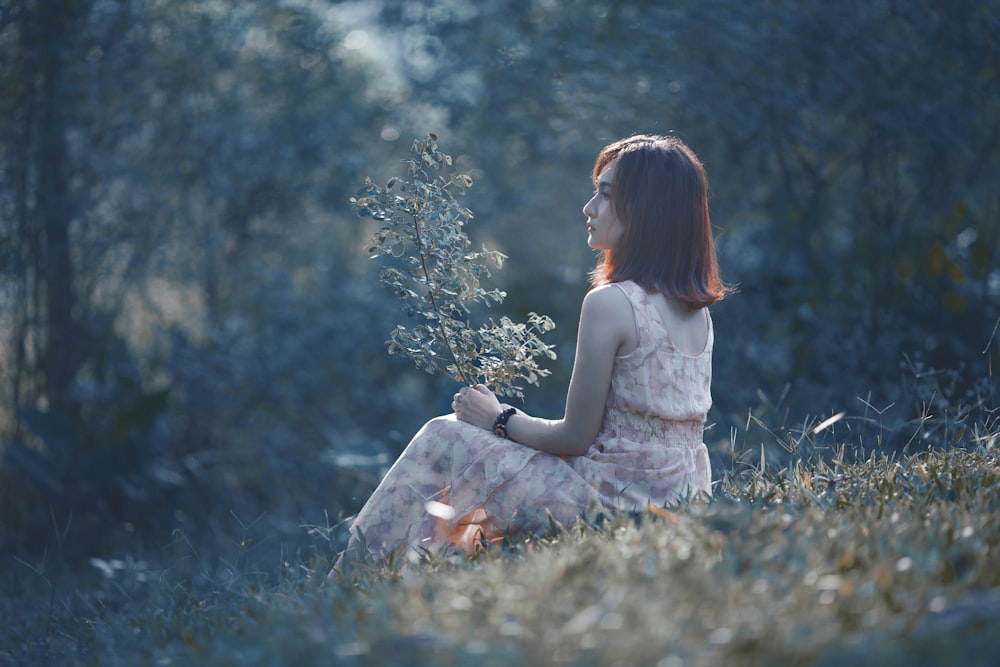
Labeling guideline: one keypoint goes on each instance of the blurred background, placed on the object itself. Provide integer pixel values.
(192, 334)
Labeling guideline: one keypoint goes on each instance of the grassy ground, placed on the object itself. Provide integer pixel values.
(885, 560)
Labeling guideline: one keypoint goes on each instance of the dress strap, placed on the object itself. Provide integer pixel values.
(633, 292)
(639, 301)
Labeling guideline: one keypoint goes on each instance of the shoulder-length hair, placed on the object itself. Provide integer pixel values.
(660, 194)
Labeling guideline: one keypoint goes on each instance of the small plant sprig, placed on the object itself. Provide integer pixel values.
(437, 276)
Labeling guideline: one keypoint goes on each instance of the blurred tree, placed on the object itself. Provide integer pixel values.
(39, 203)
(74, 405)
(188, 163)
(862, 138)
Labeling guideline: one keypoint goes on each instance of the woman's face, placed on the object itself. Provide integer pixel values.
(604, 229)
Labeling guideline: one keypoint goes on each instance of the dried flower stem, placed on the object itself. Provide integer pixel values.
(436, 276)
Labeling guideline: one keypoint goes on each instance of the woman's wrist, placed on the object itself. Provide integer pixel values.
(500, 423)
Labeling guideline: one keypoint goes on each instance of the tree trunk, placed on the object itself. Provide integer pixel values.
(59, 358)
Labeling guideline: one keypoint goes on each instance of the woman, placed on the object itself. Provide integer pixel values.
(638, 396)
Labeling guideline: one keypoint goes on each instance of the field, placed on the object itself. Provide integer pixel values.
(831, 560)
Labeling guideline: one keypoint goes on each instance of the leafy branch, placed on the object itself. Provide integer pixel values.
(437, 277)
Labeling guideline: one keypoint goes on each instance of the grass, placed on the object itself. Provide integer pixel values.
(827, 561)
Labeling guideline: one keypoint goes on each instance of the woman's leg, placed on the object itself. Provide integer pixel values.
(396, 515)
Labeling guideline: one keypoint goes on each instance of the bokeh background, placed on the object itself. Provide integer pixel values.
(192, 334)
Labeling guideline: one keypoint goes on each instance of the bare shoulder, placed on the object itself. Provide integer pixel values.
(607, 300)
(608, 313)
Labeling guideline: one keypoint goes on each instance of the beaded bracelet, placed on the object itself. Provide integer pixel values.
(500, 424)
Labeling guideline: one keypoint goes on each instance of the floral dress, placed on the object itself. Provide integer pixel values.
(456, 484)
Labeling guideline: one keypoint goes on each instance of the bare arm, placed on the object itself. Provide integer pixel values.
(607, 326)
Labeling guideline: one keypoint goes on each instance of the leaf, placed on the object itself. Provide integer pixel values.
(437, 279)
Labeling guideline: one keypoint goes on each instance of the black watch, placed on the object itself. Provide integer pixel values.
(500, 423)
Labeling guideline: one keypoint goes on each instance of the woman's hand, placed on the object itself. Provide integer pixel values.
(477, 405)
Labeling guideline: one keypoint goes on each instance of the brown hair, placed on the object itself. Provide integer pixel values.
(660, 194)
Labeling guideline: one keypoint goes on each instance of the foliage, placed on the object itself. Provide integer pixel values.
(200, 291)
(440, 279)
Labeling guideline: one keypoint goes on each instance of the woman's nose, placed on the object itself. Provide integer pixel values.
(588, 209)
